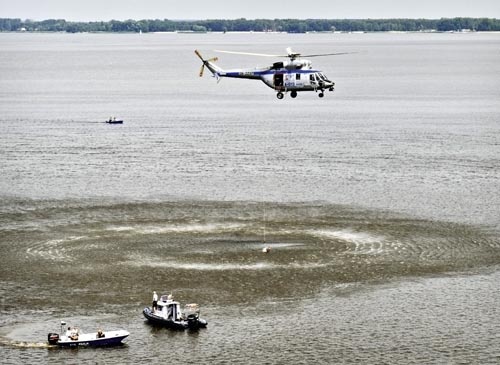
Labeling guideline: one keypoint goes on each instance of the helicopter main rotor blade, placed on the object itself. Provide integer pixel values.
(250, 54)
(291, 54)
(325, 54)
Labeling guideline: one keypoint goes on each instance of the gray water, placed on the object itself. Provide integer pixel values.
(380, 201)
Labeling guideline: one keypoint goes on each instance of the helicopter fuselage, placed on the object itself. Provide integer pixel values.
(290, 76)
(284, 79)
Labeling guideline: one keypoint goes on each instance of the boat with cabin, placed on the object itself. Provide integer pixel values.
(72, 337)
(168, 314)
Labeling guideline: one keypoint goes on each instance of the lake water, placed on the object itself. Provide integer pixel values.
(379, 201)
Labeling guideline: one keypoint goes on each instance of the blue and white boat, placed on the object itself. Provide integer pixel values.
(72, 337)
(168, 314)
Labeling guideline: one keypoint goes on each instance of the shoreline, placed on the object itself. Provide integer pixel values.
(430, 31)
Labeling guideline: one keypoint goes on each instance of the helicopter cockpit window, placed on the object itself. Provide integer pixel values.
(312, 78)
(324, 77)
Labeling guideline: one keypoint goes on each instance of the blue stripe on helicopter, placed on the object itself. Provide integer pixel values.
(266, 72)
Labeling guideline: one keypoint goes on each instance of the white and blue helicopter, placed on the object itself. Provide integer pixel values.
(291, 76)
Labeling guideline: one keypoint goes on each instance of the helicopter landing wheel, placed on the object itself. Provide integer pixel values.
(321, 94)
(332, 88)
(280, 95)
(293, 94)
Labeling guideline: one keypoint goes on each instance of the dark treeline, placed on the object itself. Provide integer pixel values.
(256, 25)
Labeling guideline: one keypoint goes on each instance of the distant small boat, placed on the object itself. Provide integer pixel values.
(168, 314)
(114, 121)
(73, 338)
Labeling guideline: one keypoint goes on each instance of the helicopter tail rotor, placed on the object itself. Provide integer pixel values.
(208, 63)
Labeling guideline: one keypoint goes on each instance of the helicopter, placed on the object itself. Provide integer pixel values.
(292, 76)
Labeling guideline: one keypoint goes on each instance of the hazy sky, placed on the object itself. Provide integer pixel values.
(86, 10)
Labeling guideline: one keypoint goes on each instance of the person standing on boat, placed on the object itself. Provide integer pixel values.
(155, 301)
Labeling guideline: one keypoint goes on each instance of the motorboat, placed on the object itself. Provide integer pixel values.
(114, 121)
(168, 314)
(72, 337)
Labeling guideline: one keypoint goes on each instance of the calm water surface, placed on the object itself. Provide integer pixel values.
(380, 201)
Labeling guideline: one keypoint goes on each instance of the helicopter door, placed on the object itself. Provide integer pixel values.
(278, 81)
(312, 80)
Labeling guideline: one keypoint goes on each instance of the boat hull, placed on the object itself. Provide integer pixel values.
(112, 338)
(169, 323)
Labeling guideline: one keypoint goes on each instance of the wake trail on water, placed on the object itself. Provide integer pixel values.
(86, 239)
(4, 341)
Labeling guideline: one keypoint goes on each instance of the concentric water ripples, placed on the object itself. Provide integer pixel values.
(55, 249)
(245, 230)
(311, 243)
(167, 228)
(361, 242)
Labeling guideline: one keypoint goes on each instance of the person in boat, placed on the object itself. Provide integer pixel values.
(100, 333)
(72, 333)
(155, 301)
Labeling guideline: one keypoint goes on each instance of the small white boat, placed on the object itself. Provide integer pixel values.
(72, 337)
